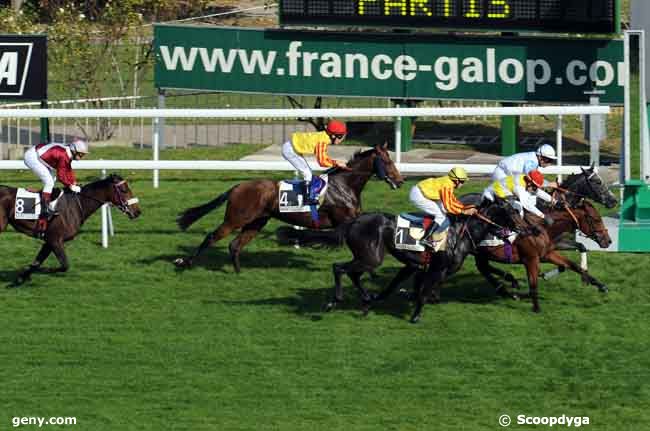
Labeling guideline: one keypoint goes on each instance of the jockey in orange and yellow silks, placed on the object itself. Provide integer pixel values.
(316, 143)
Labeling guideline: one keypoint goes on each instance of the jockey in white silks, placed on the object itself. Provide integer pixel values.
(523, 163)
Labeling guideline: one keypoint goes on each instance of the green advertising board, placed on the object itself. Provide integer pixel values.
(389, 65)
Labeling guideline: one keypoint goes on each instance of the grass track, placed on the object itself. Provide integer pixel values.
(124, 342)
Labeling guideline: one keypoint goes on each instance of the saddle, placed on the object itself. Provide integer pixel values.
(411, 228)
(293, 194)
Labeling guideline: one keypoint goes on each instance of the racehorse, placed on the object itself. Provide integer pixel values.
(252, 203)
(531, 250)
(587, 183)
(371, 235)
(73, 209)
(573, 190)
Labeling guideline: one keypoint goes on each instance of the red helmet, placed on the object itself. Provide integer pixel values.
(536, 177)
(335, 127)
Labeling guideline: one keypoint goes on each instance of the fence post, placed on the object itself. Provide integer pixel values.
(104, 219)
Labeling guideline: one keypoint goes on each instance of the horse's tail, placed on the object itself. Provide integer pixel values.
(191, 215)
(287, 235)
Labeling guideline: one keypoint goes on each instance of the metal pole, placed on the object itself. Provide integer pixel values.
(398, 140)
(643, 109)
(558, 143)
(595, 133)
(626, 110)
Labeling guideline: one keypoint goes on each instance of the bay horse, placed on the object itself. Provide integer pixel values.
(532, 250)
(73, 209)
(370, 236)
(572, 192)
(251, 204)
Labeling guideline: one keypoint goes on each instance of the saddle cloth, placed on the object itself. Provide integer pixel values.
(27, 205)
(292, 193)
(494, 241)
(410, 230)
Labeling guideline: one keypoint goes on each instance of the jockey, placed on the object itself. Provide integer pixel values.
(435, 196)
(52, 161)
(523, 163)
(526, 188)
(302, 143)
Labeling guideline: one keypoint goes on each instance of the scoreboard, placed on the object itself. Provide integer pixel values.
(560, 16)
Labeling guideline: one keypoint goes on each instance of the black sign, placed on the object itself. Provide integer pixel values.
(23, 67)
(564, 16)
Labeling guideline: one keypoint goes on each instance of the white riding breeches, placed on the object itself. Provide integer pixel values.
(433, 208)
(40, 169)
(296, 160)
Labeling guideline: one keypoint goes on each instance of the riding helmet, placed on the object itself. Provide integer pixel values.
(335, 127)
(458, 174)
(536, 177)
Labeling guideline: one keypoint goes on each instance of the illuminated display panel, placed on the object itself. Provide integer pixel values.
(565, 16)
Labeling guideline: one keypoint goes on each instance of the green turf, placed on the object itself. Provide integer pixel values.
(125, 342)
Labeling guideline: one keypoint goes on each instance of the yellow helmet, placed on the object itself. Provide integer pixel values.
(458, 174)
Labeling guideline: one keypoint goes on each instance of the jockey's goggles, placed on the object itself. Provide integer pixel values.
(338, 136)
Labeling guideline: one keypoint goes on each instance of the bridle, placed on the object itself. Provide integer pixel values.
(118, 199)
(595, 233)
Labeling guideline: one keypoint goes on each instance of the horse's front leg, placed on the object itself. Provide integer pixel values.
(558, 259)
(532, 269)
(43, 254)
(570, 245)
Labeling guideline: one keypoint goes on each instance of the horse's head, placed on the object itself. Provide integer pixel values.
(122, 197)
(591, 223)
(377, 161)
(590, 185)
(384, 167)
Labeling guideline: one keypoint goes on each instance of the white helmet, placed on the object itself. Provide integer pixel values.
(547, 152)
(79, 145)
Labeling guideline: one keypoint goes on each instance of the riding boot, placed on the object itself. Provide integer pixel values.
(312, 194)
(426, 239)
(41, 224)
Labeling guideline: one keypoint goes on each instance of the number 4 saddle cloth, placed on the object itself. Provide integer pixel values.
(411, 228)
(292, 195)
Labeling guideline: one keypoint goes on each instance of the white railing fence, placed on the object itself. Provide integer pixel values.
(156, 114)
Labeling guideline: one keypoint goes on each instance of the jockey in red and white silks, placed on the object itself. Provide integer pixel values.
(51, 161)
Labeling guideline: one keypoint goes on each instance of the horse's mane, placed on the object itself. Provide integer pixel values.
(361, 154)
(102, 182)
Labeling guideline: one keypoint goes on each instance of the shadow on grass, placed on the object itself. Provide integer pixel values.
(218, 259)
(470, 289)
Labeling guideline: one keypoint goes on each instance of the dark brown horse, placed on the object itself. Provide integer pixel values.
(74, 210)
(251, 204)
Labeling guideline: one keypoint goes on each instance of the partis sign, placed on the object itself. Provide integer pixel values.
(23, 67)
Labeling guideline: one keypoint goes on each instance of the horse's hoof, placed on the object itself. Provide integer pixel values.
(537, 310)
(328, 306)
(603, 289)
(183, 262)
(415, 319)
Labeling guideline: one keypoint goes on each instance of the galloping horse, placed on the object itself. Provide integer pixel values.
(531, 250)
(371, 235)
(251, 204)
(74, 209)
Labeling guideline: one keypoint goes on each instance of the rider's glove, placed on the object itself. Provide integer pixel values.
(75, 188)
